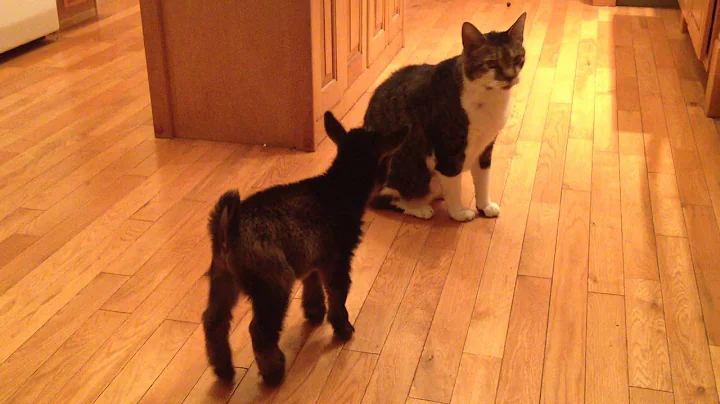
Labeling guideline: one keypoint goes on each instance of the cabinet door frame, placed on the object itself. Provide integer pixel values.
(377, 42)
(394, 21)
(329, 93)
(699, 29)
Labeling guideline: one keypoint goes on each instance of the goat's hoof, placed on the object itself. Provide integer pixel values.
(225, 373)
(344, 332)
(315, 317)
(274, 377)
(272, 367)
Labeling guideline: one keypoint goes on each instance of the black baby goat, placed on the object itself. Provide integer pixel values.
(307, 230)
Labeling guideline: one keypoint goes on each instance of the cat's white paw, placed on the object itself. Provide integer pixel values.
(463, 215)
(491, 210)
(422, 212)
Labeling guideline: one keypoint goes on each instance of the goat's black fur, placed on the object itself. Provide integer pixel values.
(307, 230)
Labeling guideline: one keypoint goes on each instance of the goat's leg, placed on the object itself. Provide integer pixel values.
(313, 299)
(337, 284)
(216, 324)
(270, 305)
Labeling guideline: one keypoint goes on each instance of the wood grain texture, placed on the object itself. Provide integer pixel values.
(605, 151)
(443, 349)
(606, 247)
(520, 377)
(477, 379)
(704, 237)
(645, 396)
(395, 369)
(488, 327)
(648, 361)
(563, 372)
(607, 378)
(375, 319)
(693, 379)
(349, 378)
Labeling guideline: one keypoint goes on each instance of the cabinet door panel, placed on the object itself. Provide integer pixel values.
(330, 59)
(377, 29)
(697, 14)
(356, 40)
(394, 18)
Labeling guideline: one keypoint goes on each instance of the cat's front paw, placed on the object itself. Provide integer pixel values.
(422, 212)
(491, 210)
(463, 215)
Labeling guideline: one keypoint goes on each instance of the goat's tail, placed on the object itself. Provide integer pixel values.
(224, 222)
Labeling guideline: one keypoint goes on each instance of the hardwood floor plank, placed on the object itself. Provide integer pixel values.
(666, 206)
(657, 143)
(69, 358)
(708, 143)
(393, 374)
(23, 362)
(207, 390)
(564, 372)
(182, 373)
(13, 246)
(639, 254)
(164, 200)
(648, 360)
(704, 238)
(606, 246)
(16, 221)
(477, 379)
(578, 165)
(378, 312)
(692, 373)
(488, 326)
(538, 103)
(437, 370)
(607, 363)
(521, 373)
(111, 358)
(645, 396)
(690, 178)
(137, 376)
(584, 103)
(162, 261)
(349, 378)
(49, 197)
(75, 263)
(100, 184)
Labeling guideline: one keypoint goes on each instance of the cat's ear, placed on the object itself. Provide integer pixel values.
(471, 37)
(517, 29)
(334, 128)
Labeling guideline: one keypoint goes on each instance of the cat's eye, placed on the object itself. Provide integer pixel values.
(519, 59)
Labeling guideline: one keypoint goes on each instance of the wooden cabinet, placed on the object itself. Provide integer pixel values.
(698, 20)
(72, 12)
(263, 72)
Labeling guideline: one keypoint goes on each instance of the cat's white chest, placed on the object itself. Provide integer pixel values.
(488, 111)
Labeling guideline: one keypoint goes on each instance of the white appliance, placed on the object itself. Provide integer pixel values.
(22, 21)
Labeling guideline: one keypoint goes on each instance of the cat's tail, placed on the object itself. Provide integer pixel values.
(223, 225)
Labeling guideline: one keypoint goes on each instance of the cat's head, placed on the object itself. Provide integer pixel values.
(360, 144)
(493, 59)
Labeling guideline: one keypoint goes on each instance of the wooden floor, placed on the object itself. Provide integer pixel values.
(598, 283)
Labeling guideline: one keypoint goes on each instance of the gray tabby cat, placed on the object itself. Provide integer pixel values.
(454, 111)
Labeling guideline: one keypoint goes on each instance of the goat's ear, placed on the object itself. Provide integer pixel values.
(334, 128)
